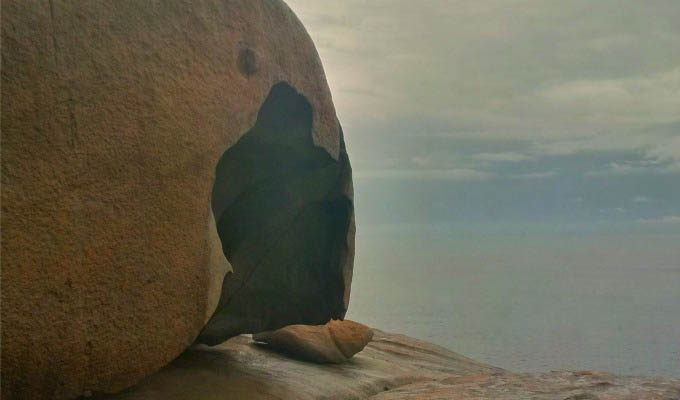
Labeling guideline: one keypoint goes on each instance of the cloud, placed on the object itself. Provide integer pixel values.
(534, 175)
(588, 90)
(453, 174)
(642, 199)
(616, 168)
(668, 154)
(522, 68)
(613, 210)
(462, 91)
(668, 219)
(670, 151)
(603, 142)
(659, 160)
(503, 157)
(643, 98)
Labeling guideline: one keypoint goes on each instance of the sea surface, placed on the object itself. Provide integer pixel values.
(526, 299)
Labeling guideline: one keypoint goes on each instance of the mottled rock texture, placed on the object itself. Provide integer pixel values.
(335, 342)
(119, 186)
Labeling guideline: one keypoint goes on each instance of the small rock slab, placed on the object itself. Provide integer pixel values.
(335, 342)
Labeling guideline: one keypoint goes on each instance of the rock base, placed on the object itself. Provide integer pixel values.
(389, 367)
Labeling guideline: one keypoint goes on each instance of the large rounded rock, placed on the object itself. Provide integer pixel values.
(148, 148)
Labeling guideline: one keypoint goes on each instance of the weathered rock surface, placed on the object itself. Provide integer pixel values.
(582, 385)
(335, 342)
(147, 149)
(242, 369)
(390, 367)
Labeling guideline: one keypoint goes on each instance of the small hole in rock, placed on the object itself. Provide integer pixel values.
(247, 62)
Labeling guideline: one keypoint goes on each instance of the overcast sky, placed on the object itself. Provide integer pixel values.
(508, 110)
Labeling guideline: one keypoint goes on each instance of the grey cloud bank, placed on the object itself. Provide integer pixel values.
(517, 174)
(515, 102)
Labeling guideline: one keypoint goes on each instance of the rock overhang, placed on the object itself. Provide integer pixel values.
(283, 215)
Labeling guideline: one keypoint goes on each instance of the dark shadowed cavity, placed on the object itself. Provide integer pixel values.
(282, 215)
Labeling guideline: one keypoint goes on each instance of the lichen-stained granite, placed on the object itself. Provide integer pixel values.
(390, 367)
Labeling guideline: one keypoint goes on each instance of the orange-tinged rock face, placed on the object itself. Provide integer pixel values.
(335, 342)
(115, 116)
(350, 337)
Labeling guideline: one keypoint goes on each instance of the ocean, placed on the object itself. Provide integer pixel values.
(526, 298)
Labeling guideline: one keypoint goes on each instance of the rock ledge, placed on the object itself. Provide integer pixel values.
(390, 367)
